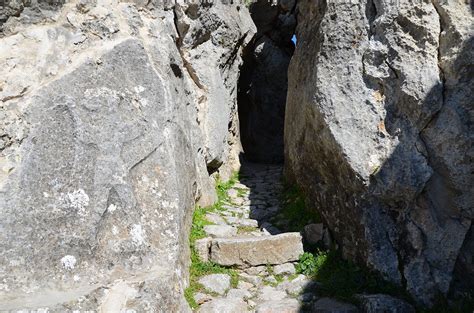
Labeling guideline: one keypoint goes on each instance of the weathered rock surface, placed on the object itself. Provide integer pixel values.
(384, 303)
(377, 133)
(218, 283)
(328, 305)
(280, 306)
(220, 230)
(112, 115)
(253, 251)
(263, 83)
(224, 306)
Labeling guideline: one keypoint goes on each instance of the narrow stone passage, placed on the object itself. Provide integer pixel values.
(241, 235)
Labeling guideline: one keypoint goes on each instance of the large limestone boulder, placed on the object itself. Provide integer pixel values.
(101, 154)
(377, 133)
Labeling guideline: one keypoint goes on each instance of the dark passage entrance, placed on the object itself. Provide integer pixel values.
(263, 82)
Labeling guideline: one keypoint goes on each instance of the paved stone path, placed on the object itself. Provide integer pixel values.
(264, 255)
(243, 237)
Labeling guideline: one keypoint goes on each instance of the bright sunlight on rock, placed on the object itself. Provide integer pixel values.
(236, 156)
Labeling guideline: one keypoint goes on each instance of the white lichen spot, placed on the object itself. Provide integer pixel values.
(76, 278)
(115, 230)
(69, 262)
(45, 194)
(138, 235)
(79, 200)
(4, 287)
(112, 208)
(139, 89)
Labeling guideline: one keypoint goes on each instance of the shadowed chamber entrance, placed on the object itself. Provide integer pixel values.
(263, 82)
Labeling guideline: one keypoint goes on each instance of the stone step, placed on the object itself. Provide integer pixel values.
(262, 250)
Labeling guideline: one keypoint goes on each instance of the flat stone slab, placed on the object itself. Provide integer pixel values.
(263, 250)
(269, 293)
(284, 269)
(215, 218)
(224, 306)
(245, 222)
(218, 283)
(328, 305)
(220, 231)
(281, 306)
(243, 294)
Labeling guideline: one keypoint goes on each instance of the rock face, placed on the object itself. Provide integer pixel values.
(384, 303)
(263, 83)
(377, 133)
(112, 115)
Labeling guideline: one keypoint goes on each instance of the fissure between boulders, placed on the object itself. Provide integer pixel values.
(263, 82)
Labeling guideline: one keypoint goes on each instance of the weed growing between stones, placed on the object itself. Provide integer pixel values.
(343, 279)
(295, 212)
(199, 268)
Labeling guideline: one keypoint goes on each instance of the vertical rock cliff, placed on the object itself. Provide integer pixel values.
(378, 133)
(113, 116)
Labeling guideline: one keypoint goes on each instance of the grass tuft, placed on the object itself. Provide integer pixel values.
(199, 268)
(343, 279)
(294, 209)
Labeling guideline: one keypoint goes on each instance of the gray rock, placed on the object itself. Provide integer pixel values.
(277, 249)
(232, 193)
(203, 247)
(240, 186)
(297, 285)
(239, 294)
(218, 283)
(269, 293)
(224, 306)
(201, 298)
(328, 305)
(384, 303)
(284, 269)
(257, 270)
(379, 148)
(279, 306)
(253, 279)
(241, 222)
(313, 233)
(220, 230)
(106, 150)
(270, 279)
(244, 285)
(215, 218)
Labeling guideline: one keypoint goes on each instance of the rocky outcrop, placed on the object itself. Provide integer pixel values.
(263, 83)
(377, 133)
(113, 115)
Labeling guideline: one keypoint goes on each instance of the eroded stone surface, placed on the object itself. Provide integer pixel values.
(217, 283)
(109, 125)
(277, 249)
(376, 133)
(328, 305)
(384, 303)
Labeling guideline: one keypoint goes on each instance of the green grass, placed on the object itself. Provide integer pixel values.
(343, 279)
(199, 268)
(294, 209)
